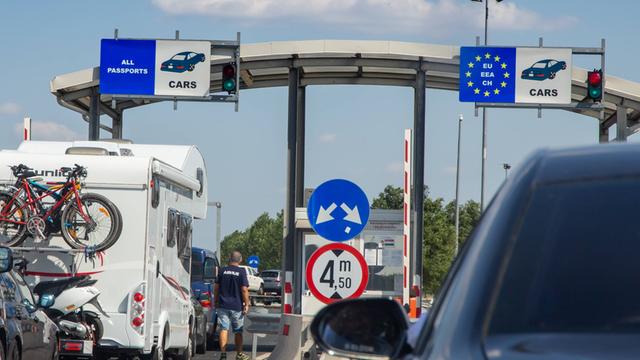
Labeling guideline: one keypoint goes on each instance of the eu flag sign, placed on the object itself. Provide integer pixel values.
(487, 74)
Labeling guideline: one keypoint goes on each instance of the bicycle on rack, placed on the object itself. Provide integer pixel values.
(85, 220)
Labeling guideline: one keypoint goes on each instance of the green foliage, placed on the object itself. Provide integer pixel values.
(439, 231)
(262, 238)
(390, 198)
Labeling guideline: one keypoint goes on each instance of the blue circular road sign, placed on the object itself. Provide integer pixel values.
(253, 261)
(338, 210)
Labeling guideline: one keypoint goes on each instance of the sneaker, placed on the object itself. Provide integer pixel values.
(242, 356)
(223, 356)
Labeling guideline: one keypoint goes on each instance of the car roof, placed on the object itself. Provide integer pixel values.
(184, 53)
(588, 162)
(202, 251)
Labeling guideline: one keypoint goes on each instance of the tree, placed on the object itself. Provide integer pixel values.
(390, 198)
(263, 238)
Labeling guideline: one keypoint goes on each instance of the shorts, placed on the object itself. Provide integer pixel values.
(228, 317)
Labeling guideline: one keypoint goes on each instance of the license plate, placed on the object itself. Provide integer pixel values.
(171, 67)
(530, 74)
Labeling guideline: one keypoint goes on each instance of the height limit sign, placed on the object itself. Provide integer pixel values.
(335, 272)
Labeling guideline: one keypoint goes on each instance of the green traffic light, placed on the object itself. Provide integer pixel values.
(595, 93)
(229, 85)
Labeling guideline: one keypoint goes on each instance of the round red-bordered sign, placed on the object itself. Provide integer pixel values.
(331, 268)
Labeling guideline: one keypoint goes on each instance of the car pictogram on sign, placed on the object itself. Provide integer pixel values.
(183, 61)
(543, 69)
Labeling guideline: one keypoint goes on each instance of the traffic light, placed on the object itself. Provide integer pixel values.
(229, 78)
(594, 85)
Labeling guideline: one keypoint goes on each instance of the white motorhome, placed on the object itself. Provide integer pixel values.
(144, 278)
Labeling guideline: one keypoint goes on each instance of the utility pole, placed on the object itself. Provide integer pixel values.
(218, 206)
(484, 114)
(458, 187)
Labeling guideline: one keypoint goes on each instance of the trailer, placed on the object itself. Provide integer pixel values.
(144, 277)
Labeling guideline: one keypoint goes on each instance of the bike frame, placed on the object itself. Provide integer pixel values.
(34, 201)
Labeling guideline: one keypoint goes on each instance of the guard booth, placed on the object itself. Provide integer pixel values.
(381, 245)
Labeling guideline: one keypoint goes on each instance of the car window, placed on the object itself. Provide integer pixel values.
(196, 270)
(9, 288)
(269, 274)
(23, 288)
(574, 265)
(552, 63)
(539, 65)
(178, 57)
(209, 268)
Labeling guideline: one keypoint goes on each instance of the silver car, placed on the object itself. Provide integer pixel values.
(271, 281)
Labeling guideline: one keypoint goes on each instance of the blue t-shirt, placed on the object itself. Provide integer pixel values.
(230, 280)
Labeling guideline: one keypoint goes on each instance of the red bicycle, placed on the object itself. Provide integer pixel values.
(85, 220)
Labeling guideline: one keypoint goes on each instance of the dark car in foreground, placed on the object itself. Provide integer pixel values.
(181, 62)
(543, 69)
(204, 270)
(550, 272)
(25, 330)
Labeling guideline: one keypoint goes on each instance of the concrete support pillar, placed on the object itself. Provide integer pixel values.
(116, 127)
(94, 116)
(288, 243)
(418, 172)
(621, 122)
(603, 134)
(300, 146)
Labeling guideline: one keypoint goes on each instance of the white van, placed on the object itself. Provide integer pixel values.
(144, 278)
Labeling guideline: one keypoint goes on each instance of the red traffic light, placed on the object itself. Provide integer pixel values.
(228, 71)
(594, 78)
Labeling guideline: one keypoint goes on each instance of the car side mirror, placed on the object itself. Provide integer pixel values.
(6, 259)
(46, 301)
(371, 328)
(29, 306)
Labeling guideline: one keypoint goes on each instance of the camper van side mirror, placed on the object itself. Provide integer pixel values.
(6, 259)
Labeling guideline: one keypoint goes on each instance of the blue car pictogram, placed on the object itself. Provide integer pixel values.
(543, 69)
(181, 62)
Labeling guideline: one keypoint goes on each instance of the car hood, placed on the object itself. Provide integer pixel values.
(563, 346)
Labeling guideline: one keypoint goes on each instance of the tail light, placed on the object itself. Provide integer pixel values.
(72, 346)
(180, 67)
(205, 299)
(136, 308)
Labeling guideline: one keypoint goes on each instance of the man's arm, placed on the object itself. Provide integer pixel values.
(245, 299)
(216, 292)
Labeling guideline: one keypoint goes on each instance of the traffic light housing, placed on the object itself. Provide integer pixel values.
(594, 85)
(229, 78)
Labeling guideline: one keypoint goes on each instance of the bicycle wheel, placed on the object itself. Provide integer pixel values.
(13, 220)
(100, 232)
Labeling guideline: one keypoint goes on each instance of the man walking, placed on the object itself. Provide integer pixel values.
(231, 297)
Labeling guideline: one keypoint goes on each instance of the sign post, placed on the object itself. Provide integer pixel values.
(336, 271)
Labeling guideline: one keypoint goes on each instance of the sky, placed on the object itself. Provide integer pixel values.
(353, 132)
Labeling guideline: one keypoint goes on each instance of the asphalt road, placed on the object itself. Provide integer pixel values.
(265, 343)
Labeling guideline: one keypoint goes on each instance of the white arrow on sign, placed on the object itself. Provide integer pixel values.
(324, 215)
(353, 215)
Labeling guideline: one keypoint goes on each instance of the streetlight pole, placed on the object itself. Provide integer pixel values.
(484, 113)
(218, 206)
(506, 168)
(458, 186)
